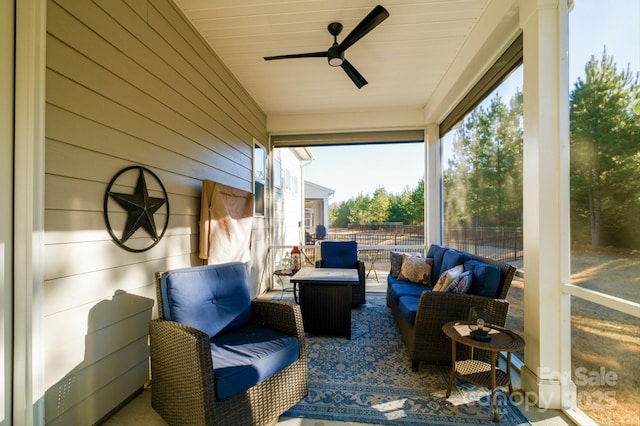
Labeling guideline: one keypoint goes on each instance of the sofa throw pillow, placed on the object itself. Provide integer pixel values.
(395, 258)
(396, 262)
(416, 269)
(448, 276)
(461, 284)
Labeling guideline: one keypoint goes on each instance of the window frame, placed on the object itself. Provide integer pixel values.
(259, 194)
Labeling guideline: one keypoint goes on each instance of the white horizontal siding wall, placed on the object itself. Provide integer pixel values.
(287, 206)
(128, 83)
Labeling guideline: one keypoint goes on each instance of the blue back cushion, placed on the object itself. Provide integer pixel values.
(437, 252)
(339, 254)
(486, 278)
(211, 298)
(453, 258)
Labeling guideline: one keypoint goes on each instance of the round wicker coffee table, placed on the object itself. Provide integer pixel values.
(479, 372)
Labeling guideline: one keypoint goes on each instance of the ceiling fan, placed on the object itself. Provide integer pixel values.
(335, 54)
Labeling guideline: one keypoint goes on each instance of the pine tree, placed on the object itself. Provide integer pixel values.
(605, 148)
(483, 180)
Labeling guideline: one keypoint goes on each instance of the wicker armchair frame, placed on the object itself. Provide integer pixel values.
(425, 339)
(183, 386)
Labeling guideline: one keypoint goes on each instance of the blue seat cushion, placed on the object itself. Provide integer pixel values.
(391, 281)
(245, 357)
(408, 306)
(486, 278)
(211, 298)
(339, 254)
(403, 288)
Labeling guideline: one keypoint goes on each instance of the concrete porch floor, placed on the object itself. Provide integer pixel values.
(139, 412)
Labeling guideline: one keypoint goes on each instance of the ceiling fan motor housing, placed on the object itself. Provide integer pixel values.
(336, 56)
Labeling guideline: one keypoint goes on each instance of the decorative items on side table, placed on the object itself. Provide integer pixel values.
(478, 317)
(481, 373)
(295, 259)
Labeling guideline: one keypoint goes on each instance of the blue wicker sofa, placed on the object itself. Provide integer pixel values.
(420, 312)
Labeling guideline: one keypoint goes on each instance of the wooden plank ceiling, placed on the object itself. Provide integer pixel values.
(404, 59)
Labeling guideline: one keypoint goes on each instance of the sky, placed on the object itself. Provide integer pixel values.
(353, 170)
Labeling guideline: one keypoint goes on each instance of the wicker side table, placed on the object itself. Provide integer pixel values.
(479, 372)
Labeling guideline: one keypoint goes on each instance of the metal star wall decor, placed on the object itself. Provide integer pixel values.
(139, 207)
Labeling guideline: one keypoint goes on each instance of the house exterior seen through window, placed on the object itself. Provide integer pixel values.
(277, 173)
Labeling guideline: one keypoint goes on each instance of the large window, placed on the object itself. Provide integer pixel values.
(482, 184)
(604, 41)
(482, 164)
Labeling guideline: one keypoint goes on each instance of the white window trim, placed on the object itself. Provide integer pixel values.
(266, 178)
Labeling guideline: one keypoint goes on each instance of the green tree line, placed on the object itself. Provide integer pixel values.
(406, 207)
(483, 177)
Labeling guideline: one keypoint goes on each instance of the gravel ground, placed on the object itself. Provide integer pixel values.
(605, 344)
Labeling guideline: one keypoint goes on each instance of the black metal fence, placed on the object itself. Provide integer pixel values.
(378, 238)
(499, 243)
(386, 227)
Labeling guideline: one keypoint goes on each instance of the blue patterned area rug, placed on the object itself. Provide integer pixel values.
(368, 379)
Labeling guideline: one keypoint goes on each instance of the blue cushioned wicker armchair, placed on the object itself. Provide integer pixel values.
(344, 254)
(218, 357)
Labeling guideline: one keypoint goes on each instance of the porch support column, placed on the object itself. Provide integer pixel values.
(28, 248)
(432, 186)
(546, 200)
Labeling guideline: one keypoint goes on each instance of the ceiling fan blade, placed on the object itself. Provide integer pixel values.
(372, 20)
(324, 54)
(353, 74)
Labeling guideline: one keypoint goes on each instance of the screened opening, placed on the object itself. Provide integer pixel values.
(482, 184)
(605, 201)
